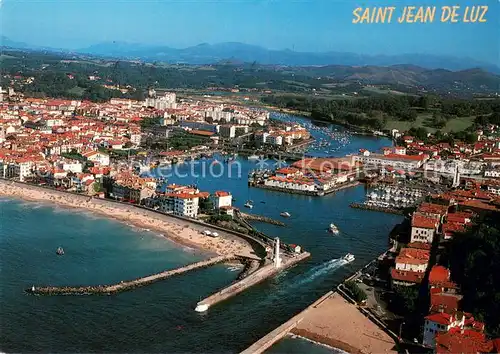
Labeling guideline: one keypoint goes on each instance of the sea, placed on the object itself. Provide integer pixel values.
(161, 317)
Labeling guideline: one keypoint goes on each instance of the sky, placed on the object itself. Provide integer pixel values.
(301, 25)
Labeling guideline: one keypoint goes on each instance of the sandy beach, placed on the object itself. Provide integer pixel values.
(339, 324)
(179, 231)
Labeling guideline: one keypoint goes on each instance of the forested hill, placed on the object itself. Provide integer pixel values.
(324, 80)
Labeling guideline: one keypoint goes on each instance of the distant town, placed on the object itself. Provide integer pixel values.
(442, 185)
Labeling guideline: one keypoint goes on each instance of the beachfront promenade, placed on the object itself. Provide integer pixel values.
(126, 285)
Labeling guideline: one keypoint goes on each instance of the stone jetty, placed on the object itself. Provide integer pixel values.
(127, 285)
(376, 208)
(253, 217)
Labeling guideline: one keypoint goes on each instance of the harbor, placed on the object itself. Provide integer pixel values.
(102, 251)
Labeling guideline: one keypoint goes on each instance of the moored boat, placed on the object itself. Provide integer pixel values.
(248, 204)
(60, 251)
(285, 214)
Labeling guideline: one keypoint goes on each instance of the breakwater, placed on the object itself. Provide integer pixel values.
(253, 217)
(376, 208)
(126, 285)
(254, 278)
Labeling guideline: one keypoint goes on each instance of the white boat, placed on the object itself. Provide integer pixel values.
(285, 214)
(334, 229)
(248, 205)
(348, 258)
(253, 157)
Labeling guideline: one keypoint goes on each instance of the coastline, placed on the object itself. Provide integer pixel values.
(177, 232)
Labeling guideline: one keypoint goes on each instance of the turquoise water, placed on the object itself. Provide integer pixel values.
(161, 317)
(298, 345)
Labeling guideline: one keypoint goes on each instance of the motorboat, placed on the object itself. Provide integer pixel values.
(334, 229)
(253, 157)
(348, 258)
(248, 204)
(60, 251)
(285, 214)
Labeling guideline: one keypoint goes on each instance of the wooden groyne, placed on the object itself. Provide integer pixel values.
(126, 285)
(376, 208)
(254, 278)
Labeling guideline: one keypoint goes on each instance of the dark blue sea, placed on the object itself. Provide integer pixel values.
(161, 317)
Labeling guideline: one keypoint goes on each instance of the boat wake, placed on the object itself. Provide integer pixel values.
(308, 277)
(320, 270)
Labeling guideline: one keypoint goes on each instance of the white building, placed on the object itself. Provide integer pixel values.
(423, 228)
(413, 260)
(405, 162)
(440, 323)
(227, 131)
(72, 166)
(307, 186)
(98, 157)
(492, 173)
(222, 199)
(135, 139)
(274, 139)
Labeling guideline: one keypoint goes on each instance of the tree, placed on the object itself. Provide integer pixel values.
(404, 300)
(357, 293)
(474, 261)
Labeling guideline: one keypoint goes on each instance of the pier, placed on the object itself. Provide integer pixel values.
(127, 285)
(254, 278)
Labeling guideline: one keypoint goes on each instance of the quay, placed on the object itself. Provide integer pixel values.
(127, 285)
(256, 277)
(382, 209)
(311, 193)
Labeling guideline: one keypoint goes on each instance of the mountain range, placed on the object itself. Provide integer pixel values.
(214, 53)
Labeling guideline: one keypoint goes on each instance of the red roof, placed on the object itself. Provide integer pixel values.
(430, 208)
(424, 222)
(222, 194)
(441, 318)
(439, 274)
(420, 245)
(466, 341)
(407, 276)
(444, 302)
(413, 256)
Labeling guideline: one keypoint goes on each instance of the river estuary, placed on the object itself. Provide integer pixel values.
(161, 317)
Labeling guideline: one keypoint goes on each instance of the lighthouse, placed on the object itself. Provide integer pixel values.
(277, 258)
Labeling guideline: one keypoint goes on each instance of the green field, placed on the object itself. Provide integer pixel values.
(455, 124)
